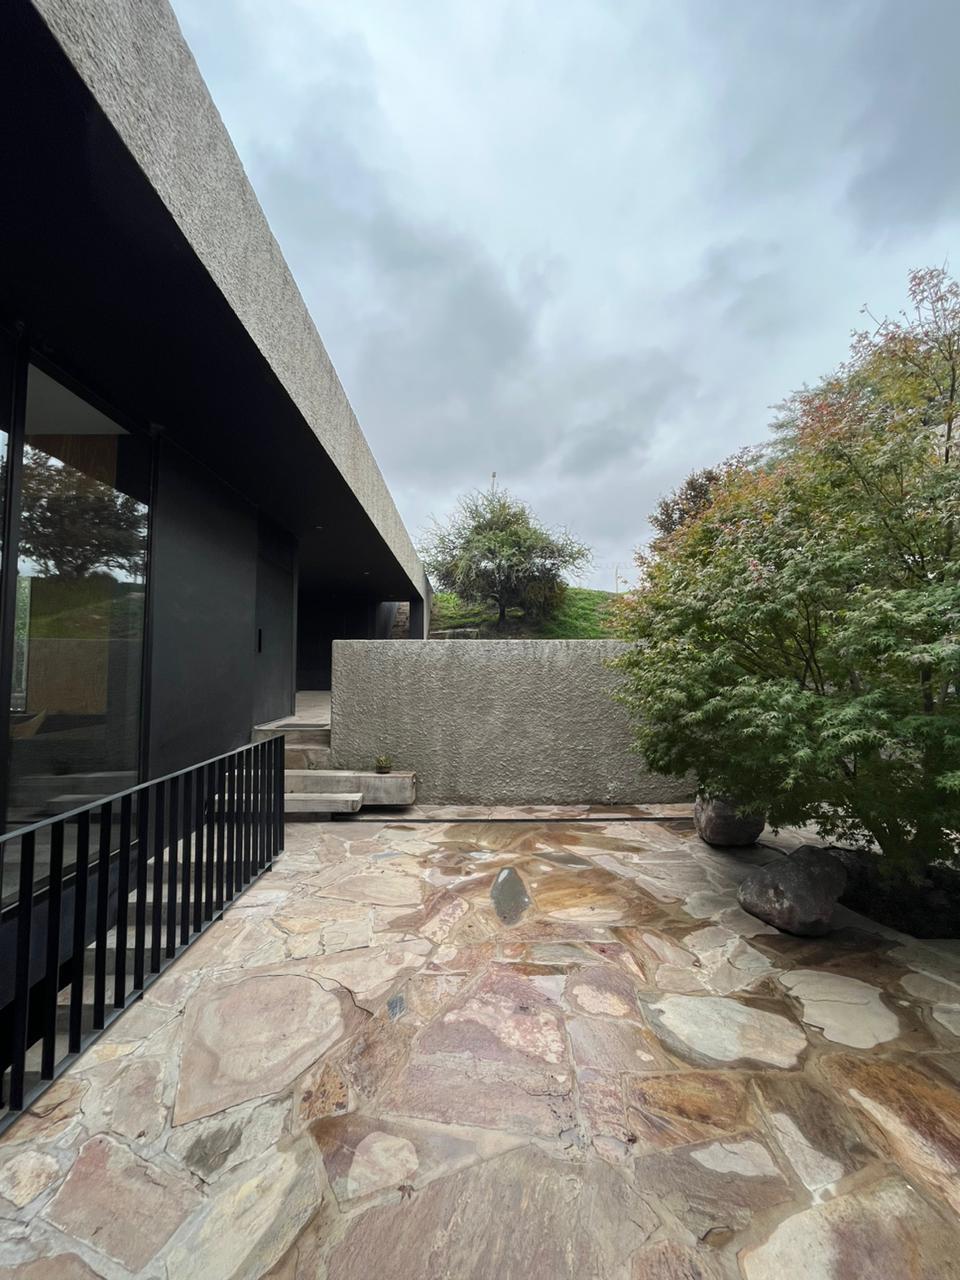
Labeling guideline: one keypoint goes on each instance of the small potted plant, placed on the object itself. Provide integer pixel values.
(384, 764)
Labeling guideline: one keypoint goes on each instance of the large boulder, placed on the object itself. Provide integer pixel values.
(718, 822)
(798, 893)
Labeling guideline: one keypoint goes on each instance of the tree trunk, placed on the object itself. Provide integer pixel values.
(501, 619)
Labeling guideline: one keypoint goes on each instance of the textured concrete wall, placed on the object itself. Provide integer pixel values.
(134, 60)
(492, 721)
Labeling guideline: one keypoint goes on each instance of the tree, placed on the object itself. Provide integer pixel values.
(73, 525)
(690, 498)
(493, 549)
(797, 642)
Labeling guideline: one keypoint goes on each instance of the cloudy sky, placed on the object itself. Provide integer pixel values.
(586, 244)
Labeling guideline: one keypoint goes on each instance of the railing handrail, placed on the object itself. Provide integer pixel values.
(187, 845)
(69, 814)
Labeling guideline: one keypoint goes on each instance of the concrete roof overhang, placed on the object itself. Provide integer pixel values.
(134, 250)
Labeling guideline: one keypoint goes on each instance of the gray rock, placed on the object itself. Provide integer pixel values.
(824, 864)
(509, 896)
(718, 822)
(797, 894)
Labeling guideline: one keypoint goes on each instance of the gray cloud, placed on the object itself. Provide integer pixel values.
(586, 246)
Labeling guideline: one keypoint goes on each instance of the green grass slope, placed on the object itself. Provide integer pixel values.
(581, 616)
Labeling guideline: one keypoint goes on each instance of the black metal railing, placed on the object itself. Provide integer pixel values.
(95, 903)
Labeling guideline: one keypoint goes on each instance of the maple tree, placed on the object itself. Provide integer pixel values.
(796, 638)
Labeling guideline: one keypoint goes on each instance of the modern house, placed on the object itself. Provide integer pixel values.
(190, 512)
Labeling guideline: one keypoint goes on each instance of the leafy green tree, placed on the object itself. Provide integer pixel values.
(74, 525)
(797, 642)
(493, 549)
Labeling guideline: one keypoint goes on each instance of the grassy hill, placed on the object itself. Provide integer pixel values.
(581, 617)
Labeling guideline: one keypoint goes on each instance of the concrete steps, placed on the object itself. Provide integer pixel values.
(393, 789)
(306, 805)
(298, 735)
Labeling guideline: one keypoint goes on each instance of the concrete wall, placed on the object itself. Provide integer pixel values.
(492, 721)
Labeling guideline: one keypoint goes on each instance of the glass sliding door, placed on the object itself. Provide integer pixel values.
(75, 689)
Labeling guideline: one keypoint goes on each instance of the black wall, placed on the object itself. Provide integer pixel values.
(274, 692)
(207, 683)
(323, 617)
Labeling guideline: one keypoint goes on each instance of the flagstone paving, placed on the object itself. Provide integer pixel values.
(483, 1044)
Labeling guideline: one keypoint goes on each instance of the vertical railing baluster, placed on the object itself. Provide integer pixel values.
(103, 904)
(247, 811)
(198, 849)
(186, 835)
(221, 828)
(21, 989)
(173, 850)
(254, 808)
(156, 919)
(140, 917)
(51, 992)
(281, 790)
(264, 808)
(208, 832)
(231, 805)
(80, 884)
(210, 841)
(123, 903)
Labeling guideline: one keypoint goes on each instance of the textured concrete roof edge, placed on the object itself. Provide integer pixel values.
(132, 56)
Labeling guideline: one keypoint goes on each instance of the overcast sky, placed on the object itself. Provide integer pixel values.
(586, 244)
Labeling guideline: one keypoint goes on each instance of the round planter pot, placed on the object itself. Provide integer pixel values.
(382, 769)
(718, 822)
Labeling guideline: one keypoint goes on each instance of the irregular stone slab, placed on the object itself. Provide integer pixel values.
(54, 1111)
(365, 1157)
(714, 1029)
(433, 1091)
(671, 1261)
(509, 896)
(247, 1039)
(373, 1056)
(713, 1189)
(846, 1010)
(602, 991)
(61, 1266)
(813, 1131)
(120, 1204)
(214, 1145)
(587, 897)
(25, 1174)
(601, 1106)
(426, 994)
(322, 1091)
(749, 1159)
(136, 1100)
(691, 1106)
(918, 1117)
(382, 886)
(614, 1046)
(522, 1216)
(251, 1223)
(371, 972)
(495, 1028)
(879, 1233)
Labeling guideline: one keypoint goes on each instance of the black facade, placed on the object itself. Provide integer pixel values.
(179, 551)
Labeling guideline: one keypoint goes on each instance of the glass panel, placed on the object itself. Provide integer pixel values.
(75, 695)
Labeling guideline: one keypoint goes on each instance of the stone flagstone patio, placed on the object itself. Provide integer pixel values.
(522, 1049)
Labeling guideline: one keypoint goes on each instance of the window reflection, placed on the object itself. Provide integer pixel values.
(75, 696)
